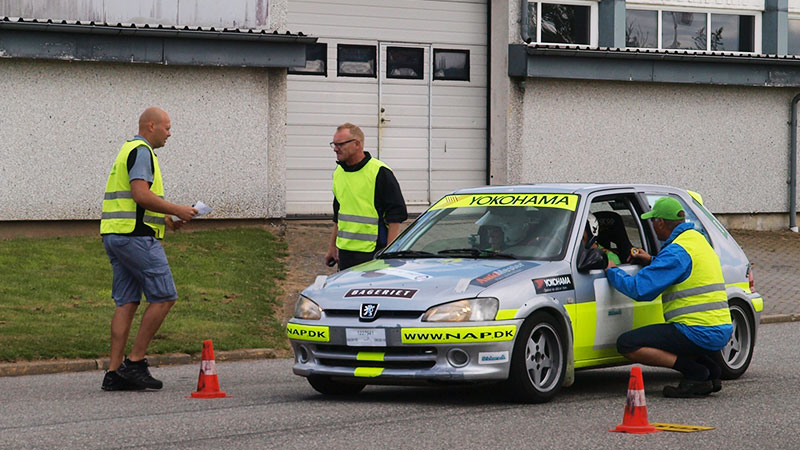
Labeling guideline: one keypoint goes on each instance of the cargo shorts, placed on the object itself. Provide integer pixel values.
(140, 266)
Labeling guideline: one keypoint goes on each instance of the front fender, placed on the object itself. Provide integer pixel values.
(554, 308)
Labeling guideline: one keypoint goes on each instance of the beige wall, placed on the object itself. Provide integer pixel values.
(731, 144)
(63, 123)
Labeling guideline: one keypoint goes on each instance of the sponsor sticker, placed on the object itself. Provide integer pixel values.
(381, 292)
(563, 201)
(494, 276)
(308, 332)
(457, 334)
(553, 284)
(492, 357)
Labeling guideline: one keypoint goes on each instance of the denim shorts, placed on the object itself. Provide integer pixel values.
(663, 336)
(140, 266)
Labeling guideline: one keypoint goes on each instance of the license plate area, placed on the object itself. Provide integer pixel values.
(366, 337)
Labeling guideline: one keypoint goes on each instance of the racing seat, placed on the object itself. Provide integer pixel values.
(612, 234)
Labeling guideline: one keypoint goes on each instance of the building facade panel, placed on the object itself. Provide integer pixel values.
(65, 122)
(731, 144)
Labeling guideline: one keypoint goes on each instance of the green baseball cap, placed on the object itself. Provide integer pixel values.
(665, 208)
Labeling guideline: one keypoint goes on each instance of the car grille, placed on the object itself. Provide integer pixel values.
(353, 313)
(393, 357)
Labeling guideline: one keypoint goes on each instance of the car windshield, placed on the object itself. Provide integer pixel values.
(514, 226)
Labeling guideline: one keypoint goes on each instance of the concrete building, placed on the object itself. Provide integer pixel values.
(451, 93)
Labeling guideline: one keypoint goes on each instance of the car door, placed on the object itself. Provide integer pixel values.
(603, 313)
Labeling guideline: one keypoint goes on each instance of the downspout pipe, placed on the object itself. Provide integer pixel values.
(793, 168)
(523, 22)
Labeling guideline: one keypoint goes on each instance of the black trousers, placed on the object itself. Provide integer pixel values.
(349, 258)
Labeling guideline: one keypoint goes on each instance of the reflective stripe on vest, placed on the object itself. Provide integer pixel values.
(119, 208)
(701, 298)
(357, 220)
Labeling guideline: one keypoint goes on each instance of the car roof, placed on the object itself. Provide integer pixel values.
(562, 188)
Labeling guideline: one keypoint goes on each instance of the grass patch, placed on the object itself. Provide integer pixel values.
(55, 295)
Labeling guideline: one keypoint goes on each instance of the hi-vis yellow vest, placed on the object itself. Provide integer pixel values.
(358, 218)
(701, 298)
(119, 209)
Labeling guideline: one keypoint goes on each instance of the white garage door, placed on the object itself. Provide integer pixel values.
(412, 77)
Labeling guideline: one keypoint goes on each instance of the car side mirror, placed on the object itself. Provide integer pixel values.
(591, 259)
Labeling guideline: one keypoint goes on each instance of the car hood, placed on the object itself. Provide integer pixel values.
(420, 283)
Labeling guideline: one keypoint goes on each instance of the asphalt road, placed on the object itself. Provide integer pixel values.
(269, 407)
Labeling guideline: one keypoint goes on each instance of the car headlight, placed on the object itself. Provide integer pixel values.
(307, 309)
(476, 309)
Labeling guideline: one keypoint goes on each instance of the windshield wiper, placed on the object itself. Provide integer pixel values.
(407, 254)
(477, 253)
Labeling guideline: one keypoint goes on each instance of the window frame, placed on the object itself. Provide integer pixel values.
(452, 50)
(420, 70)
(375, 67)
(660, 9)
(294, 71)
(593, 22)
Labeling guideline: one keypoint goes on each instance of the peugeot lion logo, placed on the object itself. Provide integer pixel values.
(368, 311)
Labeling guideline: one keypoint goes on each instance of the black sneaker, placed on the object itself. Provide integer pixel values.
(113, 382)
(137, 373)
(689, 389)
(716, 385)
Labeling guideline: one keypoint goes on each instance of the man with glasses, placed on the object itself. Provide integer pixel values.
(688, 276)
(368, 206)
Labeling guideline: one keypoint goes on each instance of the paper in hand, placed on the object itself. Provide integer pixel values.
(201, 208)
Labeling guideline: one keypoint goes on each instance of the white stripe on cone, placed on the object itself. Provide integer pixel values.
(635, 397)
(210, 368)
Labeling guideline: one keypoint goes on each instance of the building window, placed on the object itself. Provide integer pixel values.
(732, 33)
(405, 62)
(562, 23)
(641, 28)
(316, 61)
(794, 36)
(687, 30)
(356, 61)
(450, 64)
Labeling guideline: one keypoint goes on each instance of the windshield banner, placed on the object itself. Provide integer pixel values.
(563, 201)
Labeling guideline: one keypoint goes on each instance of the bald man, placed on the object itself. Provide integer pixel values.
(135, 216)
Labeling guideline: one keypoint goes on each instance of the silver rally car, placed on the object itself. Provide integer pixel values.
(501, 284)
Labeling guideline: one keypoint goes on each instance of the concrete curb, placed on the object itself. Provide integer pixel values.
(172, 359)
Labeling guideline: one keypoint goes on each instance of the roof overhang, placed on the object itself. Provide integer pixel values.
(653, 66)
(132, 43)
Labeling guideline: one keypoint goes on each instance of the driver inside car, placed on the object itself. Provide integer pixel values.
(506, 223)
(590, 238)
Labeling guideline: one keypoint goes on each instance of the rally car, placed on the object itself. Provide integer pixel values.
(504, 284)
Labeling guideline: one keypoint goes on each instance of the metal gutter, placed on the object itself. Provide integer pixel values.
(233, 34)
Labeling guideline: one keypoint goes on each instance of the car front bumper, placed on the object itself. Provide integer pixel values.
(404, 354)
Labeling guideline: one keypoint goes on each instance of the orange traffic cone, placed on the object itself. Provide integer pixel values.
(635, 418)
(207, 383)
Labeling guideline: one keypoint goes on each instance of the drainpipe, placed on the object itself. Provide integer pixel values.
(793, 169)
(524, 19)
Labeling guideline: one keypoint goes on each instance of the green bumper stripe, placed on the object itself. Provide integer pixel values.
(370, 356)
(758, 304)
(505, 314)
(368, 372)
(308, 332)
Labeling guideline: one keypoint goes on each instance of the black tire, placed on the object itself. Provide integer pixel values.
(539, 361)
(324, 385)
(735, 358)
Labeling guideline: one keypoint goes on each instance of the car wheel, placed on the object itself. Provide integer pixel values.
(734, 358)
(538, 364)
(324, 385)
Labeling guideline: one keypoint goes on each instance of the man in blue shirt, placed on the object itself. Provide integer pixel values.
(688, 275)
